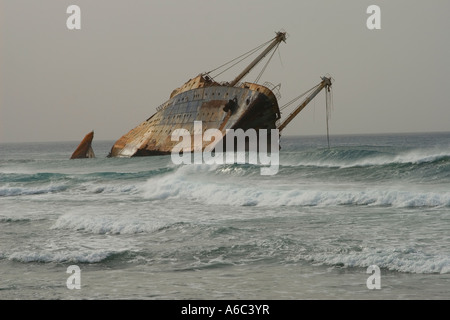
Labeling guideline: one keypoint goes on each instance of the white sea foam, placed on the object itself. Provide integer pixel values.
(98, 223)
(91, 256)
(202, 188)
(18, 219)
(107, 188)
(402, 260)
(412, 157)
(8, 191)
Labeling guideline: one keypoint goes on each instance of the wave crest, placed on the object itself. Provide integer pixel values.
(402, 260)
(212, 190)
(68, 256)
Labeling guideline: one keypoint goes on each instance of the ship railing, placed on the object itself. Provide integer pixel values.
(162, 106)
(274, 88)
(227, 84)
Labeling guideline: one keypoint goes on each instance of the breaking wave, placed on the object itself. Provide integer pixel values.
(91, 256)
(107, 224)
(407, 260)
(363, 157)
(22, 184)
(9, 191)
(188, 184)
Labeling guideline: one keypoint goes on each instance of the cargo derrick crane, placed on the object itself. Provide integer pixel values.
(325, 84)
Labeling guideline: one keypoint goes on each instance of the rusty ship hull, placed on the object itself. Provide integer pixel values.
(217, 106)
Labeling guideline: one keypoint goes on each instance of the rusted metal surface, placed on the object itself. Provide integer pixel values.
(84, 149)
(255, 107)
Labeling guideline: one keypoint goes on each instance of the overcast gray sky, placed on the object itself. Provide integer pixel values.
(58, 84)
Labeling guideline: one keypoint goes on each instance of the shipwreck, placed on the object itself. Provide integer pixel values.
(218, 105)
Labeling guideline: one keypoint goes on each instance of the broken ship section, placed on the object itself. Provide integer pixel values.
(84, 149)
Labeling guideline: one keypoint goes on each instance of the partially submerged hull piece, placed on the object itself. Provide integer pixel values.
(84, 149)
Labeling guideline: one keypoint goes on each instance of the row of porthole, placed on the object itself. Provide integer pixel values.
(170, 130)
(206, 94)
(197, 95)
(179, 115)
(186, 115)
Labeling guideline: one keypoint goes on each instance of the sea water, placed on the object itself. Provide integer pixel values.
(145, 228)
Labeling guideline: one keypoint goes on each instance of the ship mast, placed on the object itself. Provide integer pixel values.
(281, 36)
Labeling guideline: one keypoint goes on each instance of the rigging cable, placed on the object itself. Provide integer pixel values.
(267, 63)
(245, 56)
(279, 55)
(328, 97)
(295, 99)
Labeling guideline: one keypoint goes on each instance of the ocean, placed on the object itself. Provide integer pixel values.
(367, 218)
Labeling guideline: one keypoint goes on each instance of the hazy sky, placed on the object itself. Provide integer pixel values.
(58, 84)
